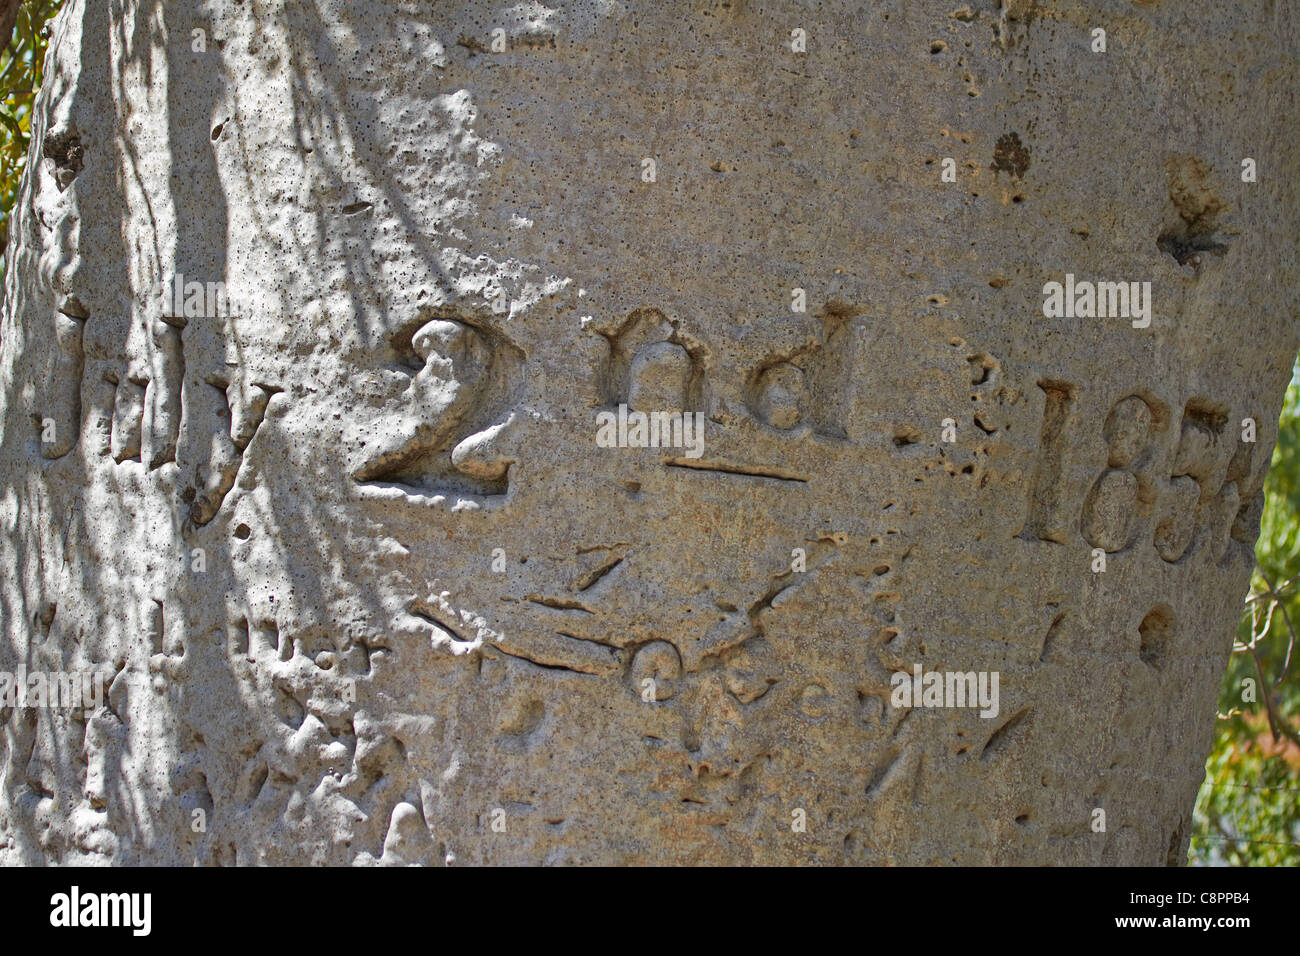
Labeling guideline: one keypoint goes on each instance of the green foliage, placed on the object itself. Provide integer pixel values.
(1248, 810)
(21, 66)
(1278, 550)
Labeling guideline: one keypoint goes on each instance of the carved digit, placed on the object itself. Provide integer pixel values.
(163, 402)
(1123, 490)
(1048, 516)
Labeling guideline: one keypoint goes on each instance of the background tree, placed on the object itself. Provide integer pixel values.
(1248, 810)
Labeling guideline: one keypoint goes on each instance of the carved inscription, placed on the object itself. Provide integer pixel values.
(1180, 498)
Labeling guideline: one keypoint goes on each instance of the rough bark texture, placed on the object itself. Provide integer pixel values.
(366, 587)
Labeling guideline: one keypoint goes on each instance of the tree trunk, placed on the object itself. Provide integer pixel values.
(8, 17)
(330, 334)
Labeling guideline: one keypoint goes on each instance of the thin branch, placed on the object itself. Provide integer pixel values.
(1279, 726)
(1286, 664)
(1259, 595)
